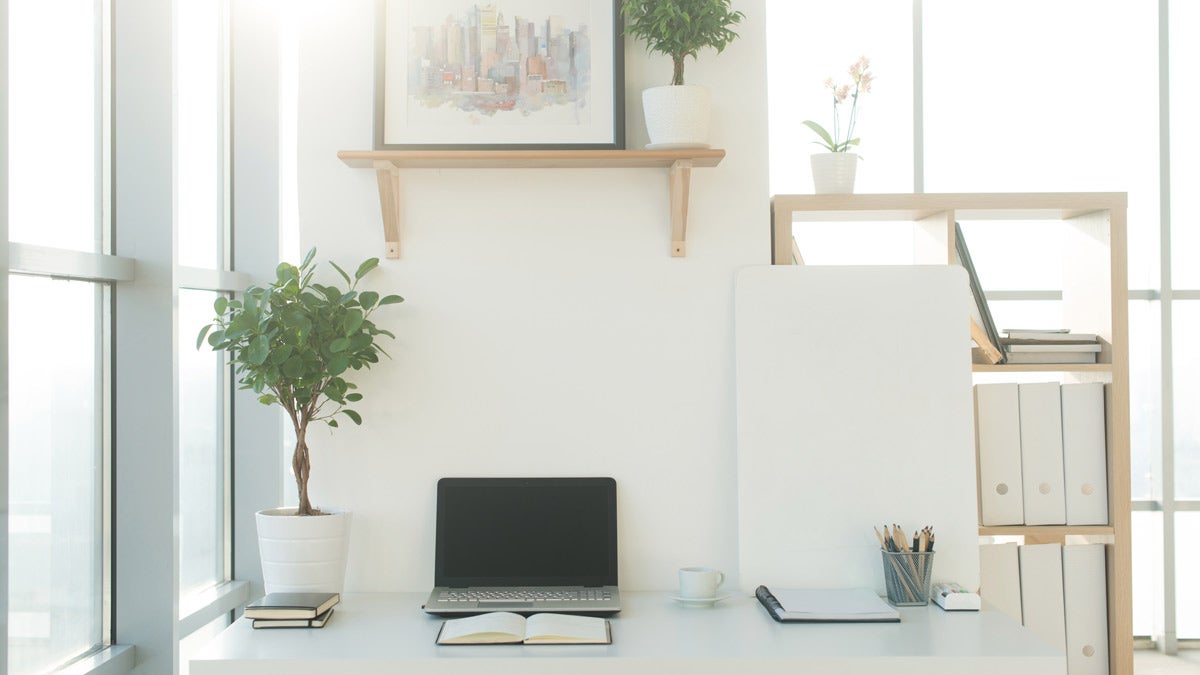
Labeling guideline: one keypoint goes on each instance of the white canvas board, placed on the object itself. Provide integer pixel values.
(854, 410)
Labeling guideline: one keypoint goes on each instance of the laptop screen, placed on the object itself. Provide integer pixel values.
(526, 532)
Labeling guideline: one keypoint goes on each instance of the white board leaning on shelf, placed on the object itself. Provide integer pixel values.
(854, 410)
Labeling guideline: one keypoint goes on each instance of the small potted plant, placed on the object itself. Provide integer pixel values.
(833, 171)
(677, 116)
(294, 343)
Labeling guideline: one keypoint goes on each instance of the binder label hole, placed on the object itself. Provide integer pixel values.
(1087, 489)
(1089, 650)
(1002, 489)
(1044, 488)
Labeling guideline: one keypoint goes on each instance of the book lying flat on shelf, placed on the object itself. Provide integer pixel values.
(1051, 357)
(1057, 347)
(836, 605)
(291, 605)
(498, 628)
(318, 622)
(1057, 335)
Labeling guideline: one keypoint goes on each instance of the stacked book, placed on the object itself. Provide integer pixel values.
(292, 610)
(1049, 346)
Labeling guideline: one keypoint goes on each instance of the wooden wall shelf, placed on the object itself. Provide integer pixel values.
(388, 163)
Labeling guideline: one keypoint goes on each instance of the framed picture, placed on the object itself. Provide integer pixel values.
(499, 75)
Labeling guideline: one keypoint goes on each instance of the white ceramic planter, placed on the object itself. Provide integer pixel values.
(833, 172)
(677, 116)
(303, 553)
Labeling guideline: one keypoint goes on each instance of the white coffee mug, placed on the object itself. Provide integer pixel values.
(699, 582)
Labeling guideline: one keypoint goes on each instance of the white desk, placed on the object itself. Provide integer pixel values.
(378, 633)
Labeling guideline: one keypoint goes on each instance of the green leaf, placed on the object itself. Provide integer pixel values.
(308, 257)
(368, 299)
(391, 300)
(293, 367)
(354, 398)
(341, 272)
(268, 399)
(352, 322)
(366, 266)
(339, 345)
(820, 131)
(332, 423)
(260, 348)
(203, 332)
(338, 364)
(220, 304)
(215, 337)
(352, 415)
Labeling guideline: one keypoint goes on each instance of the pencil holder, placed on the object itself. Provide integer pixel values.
(907, 577)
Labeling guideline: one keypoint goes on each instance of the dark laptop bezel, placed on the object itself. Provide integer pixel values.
(609, 578)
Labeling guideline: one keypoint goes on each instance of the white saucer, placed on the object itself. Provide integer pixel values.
(698, 602)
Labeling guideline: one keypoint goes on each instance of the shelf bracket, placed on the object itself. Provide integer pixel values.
(681, 178)
(388, 176)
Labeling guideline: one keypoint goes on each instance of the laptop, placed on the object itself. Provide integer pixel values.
(525, 545)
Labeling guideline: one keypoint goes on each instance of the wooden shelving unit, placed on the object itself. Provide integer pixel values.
(1095, 300)
(387, 165)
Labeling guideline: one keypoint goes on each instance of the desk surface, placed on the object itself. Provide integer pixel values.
(380, 633)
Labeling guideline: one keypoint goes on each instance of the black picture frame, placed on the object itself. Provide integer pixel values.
(980, 314)
(438, 87)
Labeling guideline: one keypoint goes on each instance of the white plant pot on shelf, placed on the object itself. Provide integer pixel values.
(833, 172)
(303, 553)
(677, 116)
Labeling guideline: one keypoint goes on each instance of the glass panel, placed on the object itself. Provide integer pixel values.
(1001, 119)
(55, 459)
(52, 123)
(1187, 583)
(1005, 260)
(1145, 399)
(1186, 320)
(1147, 541)
(199, 139)
(802, 51)
(1185, 139)
(201, 449)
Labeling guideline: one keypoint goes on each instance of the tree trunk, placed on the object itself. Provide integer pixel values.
(677, 79)
(301, 468)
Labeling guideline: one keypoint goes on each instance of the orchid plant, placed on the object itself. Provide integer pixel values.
(860, 83)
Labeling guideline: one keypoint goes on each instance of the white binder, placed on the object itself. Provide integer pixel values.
(1084, 453)
(1042, 592)
(1042, 453)
(1085, 596)
(1000, 578)
(998, 445)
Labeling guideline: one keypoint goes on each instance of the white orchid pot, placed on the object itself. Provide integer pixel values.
(677, 116)
(833, 172)
(303, 553)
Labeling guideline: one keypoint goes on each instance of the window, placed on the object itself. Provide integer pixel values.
(59, 337)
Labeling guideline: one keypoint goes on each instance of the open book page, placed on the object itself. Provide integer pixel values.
(833, 604)
(492, 628)
(541, 629)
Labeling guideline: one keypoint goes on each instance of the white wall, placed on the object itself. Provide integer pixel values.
(547, 329)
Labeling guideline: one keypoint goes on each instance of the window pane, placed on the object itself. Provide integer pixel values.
(55, 422)
(52, 113)
(1185, 139)
(1024, 96)
(201, 449)
(1147, 539)
(199, 151)
(192, 644)
(1145, 399)
(1187, 400)
(1187, 582)
(802, 51)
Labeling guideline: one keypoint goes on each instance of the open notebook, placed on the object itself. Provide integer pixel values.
(826, 605)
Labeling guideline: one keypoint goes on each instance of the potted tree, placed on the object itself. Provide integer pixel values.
(677, 115)
(294, 343)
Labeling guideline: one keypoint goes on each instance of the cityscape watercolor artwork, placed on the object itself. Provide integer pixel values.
(499, 74)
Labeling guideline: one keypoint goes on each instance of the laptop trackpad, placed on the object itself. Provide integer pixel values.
(506, 603)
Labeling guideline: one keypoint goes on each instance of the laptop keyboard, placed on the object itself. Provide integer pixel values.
(523, 595)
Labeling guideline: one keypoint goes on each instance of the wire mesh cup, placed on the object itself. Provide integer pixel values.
(907, 577)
